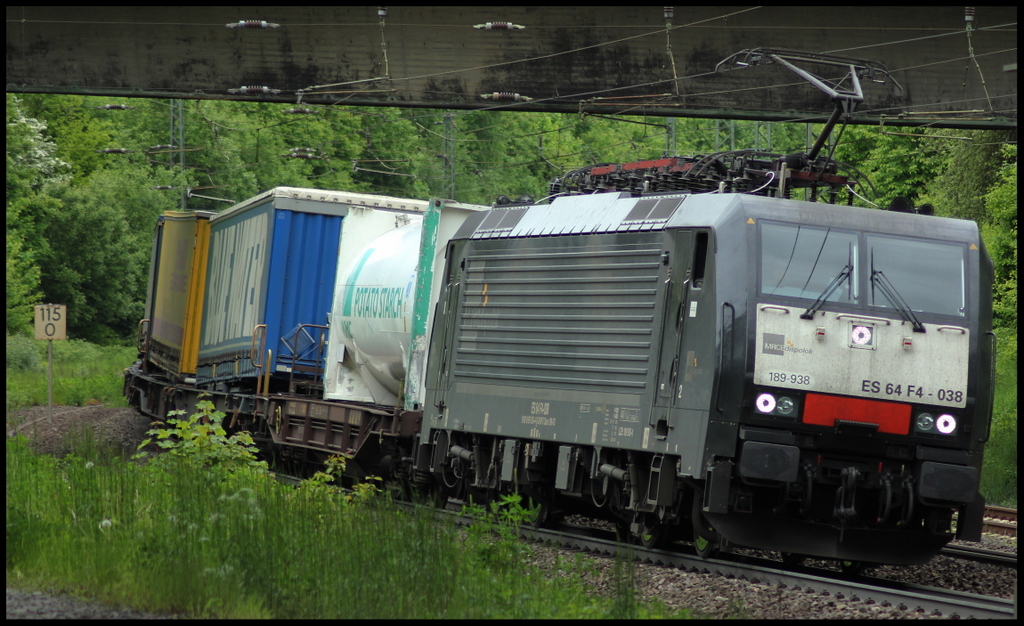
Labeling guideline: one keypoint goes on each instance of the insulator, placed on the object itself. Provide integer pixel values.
(303, 149)
(382, 12)
(117, 107)
(506, 96)
(115, 151)
(253, 89)
(253, 24)
(499, 26)
(160, 147)
(668, 12)
(299, 111)
(969, 14)
(161, 187)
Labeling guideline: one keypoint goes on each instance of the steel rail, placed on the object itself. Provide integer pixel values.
(981, 555)
(906, 596)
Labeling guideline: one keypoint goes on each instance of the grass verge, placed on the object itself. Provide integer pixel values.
(196, 538)
(83, 373)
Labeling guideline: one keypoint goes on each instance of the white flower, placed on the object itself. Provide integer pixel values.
(89, 465)
(106, 523)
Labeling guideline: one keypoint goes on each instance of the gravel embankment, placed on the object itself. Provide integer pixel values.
(123, 427)
(708, 595)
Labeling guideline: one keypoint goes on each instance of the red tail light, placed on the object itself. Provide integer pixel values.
(891, 417)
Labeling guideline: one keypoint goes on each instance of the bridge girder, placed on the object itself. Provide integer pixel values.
(609, 60)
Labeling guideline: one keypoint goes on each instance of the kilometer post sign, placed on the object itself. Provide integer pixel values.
(51, 325)
(51, 322)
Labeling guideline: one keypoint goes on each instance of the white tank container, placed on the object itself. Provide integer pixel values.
(375, 297)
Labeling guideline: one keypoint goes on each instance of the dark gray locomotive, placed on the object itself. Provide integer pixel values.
(679, 345)
(719, 368)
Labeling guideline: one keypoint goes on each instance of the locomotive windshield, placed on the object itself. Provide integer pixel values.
(929, 275)
(801, 261)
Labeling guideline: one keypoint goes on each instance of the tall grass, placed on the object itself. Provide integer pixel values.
(83, 373)
(191, 538)
(999, 473)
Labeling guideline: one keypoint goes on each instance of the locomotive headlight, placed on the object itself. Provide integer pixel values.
(946, 424)
(785, 406)
(778, 405)
(861, 335)
(765, 403)
(925, 422)
(943, 424)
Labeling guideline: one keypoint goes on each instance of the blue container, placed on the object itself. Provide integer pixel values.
(270, 283)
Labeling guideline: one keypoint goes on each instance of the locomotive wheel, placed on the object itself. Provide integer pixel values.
(398, 489)
(622, 533)
(546, 514)
(439, 497)
(706, 541)
(448, 485)
(652, 534)
(706, 548)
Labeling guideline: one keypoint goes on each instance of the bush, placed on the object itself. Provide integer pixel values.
(200, 440)
(22, 353)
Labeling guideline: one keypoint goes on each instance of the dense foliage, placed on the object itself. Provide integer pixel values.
(80, 220)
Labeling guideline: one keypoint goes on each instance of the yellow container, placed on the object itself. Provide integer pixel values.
(180, 282)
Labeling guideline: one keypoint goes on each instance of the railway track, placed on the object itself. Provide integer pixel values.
(981, 555)
(1000, 521)
(906, 596)
(910, 597)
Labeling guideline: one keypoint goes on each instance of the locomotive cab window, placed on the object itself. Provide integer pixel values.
(928, 275)
(700, 256)
(800, 261)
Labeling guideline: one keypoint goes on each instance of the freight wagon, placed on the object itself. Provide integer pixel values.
(241, 305)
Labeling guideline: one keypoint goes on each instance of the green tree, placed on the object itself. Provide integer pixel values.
(897, 162)
(391, 159)
(969, 168)
(1000, 234)
(78, 128)
(33, 168)
(99, 236)
(22, 285)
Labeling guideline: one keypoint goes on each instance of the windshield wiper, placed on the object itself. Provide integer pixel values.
(843, 275)
(893, 296)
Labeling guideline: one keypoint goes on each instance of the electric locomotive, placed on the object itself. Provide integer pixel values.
(680, 345)
(722, 368)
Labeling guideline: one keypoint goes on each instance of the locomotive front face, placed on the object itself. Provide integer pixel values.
(864, 407)
(914, 379)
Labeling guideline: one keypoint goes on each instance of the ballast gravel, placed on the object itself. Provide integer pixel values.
(706, 595)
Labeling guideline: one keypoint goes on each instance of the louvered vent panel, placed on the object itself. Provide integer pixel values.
(561, 312)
